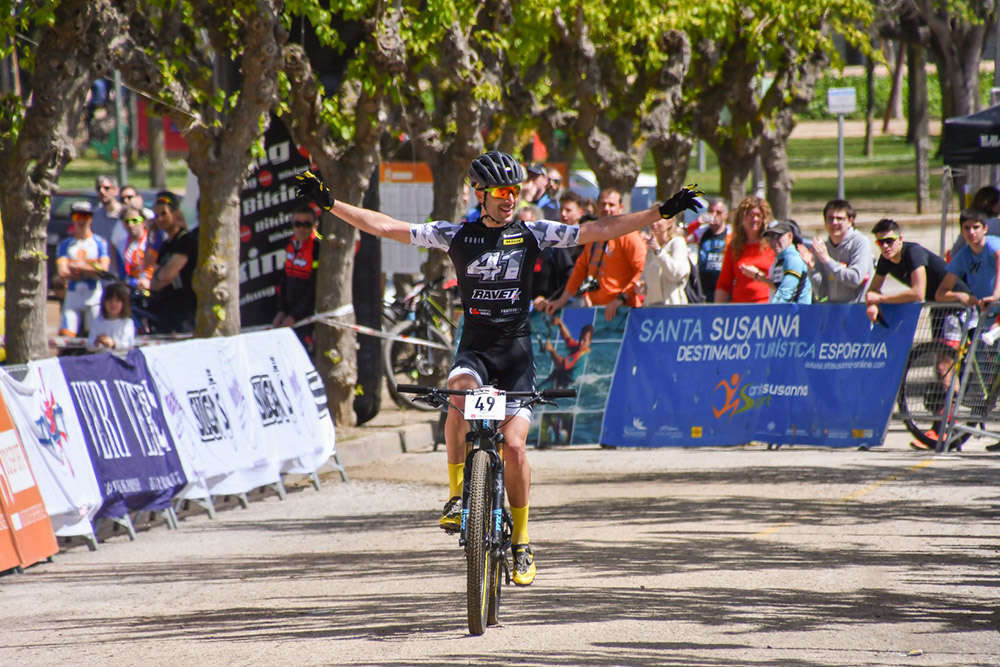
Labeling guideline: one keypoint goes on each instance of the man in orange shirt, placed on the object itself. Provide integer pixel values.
(607, 273)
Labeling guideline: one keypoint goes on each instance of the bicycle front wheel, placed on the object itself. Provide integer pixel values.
(930, 370)
(480, 568)
(411, 363)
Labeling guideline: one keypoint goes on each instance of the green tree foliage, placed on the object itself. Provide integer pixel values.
(606, 73)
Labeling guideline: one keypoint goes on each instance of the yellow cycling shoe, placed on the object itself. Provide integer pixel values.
(524, 564)
(451, 517)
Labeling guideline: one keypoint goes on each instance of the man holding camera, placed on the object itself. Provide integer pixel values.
(607, 273)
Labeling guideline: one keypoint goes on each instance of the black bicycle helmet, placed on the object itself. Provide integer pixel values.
(495, 169)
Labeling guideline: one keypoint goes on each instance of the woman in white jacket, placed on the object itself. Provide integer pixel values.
(667, 265)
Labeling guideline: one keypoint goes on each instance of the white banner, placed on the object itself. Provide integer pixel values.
(43, 412)
(291, 403)
(211, 415)
(242, 410)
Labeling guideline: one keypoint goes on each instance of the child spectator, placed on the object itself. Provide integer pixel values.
(113, 329)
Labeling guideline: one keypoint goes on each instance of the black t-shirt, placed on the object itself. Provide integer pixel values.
(913, 256)
(175, 303)
(495, 267)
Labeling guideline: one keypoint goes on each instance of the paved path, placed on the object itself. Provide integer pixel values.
(698, 556)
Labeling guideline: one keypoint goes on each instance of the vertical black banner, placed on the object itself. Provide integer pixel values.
(266, 204)
(366, 292)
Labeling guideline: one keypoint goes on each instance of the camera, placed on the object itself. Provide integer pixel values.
(588, 285)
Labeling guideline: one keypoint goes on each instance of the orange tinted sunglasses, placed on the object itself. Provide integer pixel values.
(504, 191)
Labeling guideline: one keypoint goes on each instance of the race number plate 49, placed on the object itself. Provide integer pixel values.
(486, 403)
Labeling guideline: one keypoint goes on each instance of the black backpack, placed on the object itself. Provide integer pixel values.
(692, 288)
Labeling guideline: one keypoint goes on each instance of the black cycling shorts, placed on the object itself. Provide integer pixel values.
(504, 363)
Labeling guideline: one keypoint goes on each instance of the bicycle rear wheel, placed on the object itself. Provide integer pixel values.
(411, 363)
(930, 368)
(480, 565)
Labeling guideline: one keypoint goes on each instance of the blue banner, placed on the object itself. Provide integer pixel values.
(130, 447)
(779, 374)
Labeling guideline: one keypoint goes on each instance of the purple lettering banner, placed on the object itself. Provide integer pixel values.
(120, 413)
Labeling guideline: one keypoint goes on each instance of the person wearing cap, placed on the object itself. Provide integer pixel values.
(173, 303)
(539, 178)
(792, 275)
(80, 259)
(841, 265)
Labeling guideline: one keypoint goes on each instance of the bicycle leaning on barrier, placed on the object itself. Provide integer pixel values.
(418, 316)
(949, 389)
(486, 526)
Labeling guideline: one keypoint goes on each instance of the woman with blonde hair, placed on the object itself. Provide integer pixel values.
(748, 257)
(667, 265)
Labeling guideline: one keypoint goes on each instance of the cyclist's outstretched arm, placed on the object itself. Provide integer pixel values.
(312, 188)
(611, 227)
(373, 222)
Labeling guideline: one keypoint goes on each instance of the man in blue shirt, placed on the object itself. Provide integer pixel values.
(977, 264)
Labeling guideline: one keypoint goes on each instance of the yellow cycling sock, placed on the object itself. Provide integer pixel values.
(456, 475)
(520, 517)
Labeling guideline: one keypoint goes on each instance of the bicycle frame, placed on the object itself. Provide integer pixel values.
(485, 435)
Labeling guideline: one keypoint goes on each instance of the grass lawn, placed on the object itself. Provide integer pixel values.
(886, 179)
(81, 172)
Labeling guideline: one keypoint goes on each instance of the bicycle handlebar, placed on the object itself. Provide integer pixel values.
(422, 390)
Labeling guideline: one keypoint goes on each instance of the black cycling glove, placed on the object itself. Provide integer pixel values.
(309, 185)
(685, 198)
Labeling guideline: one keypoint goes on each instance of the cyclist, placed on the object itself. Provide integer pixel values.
(494, 257)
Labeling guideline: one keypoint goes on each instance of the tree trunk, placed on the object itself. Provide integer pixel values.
(336, 347)
(894, 105)
(24, 245)
(347, 168)
(157, 152)
(216, 280)
(870, 107)
(670, 159)
(734, 170)
(774, 155)
(918, 116)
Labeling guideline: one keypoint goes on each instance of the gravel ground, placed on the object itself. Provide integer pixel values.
(694, 556)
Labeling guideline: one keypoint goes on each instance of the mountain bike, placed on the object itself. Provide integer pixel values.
(941, 380)
(418, 316)
(486, 523)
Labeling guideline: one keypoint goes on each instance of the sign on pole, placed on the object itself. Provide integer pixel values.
(841, 101)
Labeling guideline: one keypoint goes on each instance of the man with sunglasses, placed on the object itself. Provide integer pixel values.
(297, 289)
(79, 260)
(130, 251)
(494, 259)
(924, 272)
